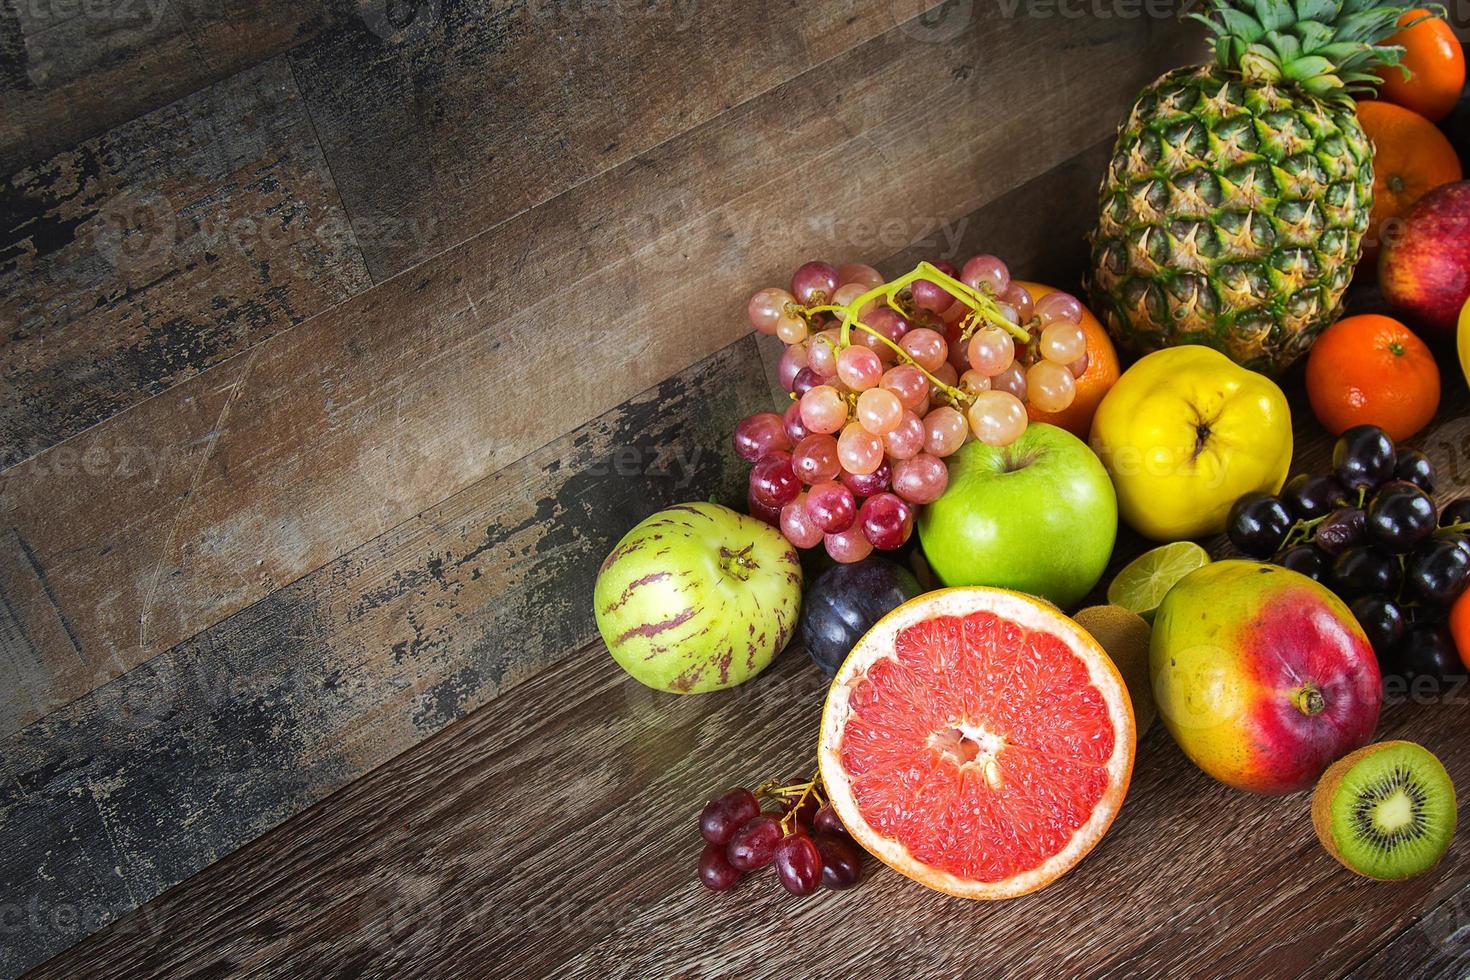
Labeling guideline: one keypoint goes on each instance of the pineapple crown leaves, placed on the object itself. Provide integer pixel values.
(1327, 48)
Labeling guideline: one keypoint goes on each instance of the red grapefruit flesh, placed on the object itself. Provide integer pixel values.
(978, 741)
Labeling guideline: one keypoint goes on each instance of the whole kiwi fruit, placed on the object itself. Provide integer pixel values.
(1124, 635)
(1386, 811)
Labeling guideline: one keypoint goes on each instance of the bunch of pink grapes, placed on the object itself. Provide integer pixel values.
(863, 442)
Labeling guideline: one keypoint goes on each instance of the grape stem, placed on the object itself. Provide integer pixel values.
(982, 308)
(794, 796)
(1302, 531)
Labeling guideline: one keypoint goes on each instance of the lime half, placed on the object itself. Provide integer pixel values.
(1144, 581)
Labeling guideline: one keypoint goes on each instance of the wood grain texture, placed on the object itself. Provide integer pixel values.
(271, 464)
(161, 248)
(394, 609)
(552, 833)
(1039, 228)
(465, 113)
(1435, 947)
(418, 131)
(154, 776)
(72, 69)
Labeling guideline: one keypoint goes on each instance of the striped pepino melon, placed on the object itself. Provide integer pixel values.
(698, 598)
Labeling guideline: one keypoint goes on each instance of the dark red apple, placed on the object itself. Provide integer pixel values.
(1424, 269)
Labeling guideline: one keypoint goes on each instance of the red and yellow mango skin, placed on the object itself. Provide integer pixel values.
(1262, 676)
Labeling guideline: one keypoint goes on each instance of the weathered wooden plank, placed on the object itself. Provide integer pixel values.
(323, 436)
(160, 248)
(342, 586)
(551, 833)
(464, 114)
(30, 622)
(1436, 947)
(468, 119)
(485, 847)
(232, 35)
(212, 743)
(1039, 228)
(72, 69)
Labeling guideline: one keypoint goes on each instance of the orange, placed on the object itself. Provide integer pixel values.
(1433, 56)
(1372, 370)
(977, 741)
(1460, 626)
(1411, 157)
(1102, 371)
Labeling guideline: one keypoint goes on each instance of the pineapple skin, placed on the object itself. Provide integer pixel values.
(1231, 216)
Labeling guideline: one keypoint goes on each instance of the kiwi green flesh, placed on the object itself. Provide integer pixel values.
(1394, 812)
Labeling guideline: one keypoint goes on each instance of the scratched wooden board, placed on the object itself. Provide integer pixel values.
(238, 481)
(71, 69)
(432, 139)
(431, 648)
(447, 122)
(160, 248)
(1039, 228)
(1433, 948)
(154, 776)
(552, 833)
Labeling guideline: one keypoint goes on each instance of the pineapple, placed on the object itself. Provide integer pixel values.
(1233, 209)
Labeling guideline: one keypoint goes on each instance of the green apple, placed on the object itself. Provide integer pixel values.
(698, 598)
(1038, 516)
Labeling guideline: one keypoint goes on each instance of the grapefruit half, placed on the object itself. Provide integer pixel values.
(978, 741)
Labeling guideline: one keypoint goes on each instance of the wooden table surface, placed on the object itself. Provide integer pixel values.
(295, 590)
(274, 504)
(552, 832)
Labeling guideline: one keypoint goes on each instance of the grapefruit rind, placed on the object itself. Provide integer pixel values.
(1030, 613)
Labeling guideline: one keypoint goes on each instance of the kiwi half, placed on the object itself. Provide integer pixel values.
(1386, 811)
